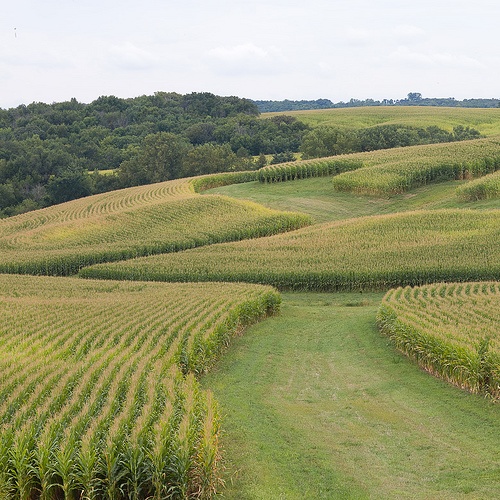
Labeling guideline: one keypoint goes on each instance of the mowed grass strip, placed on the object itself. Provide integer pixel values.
(368, 253)
(450, 329)
(319, 405)
(315, 197)
(151, 219)
(99, 397)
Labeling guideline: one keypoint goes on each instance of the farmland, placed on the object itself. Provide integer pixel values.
(487, 121)
(150, 219)
(428, 323)
(370, 253)
(398, 170)
(319, 405)
(116, 387)
(98, 392)
(483, 188)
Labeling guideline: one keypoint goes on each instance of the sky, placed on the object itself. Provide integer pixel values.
(55, 50)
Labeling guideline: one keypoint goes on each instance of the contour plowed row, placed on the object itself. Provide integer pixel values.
(377, 252)
(128, 223)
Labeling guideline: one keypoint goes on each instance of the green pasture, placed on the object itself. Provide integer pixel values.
(487, 121)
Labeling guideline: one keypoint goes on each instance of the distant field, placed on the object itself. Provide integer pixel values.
(144, 220)
(379, 252)
(487, 121)
(450, 329)
(98, 393)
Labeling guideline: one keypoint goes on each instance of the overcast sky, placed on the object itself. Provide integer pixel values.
(53, 50)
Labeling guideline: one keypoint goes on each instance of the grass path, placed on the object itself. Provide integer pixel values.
(318, 405)
(316, 197)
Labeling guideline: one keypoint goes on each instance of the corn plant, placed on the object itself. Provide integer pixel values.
(484, 188)
(146, 220)
(428, 323)
(107, 411)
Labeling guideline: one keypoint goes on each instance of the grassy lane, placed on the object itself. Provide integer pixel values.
(317, 198)
(318, 405)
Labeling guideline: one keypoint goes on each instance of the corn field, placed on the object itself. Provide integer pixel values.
(369, 253)
(145, 220)
(484, 188)
(392, 171)
(308, 168)
(450, 329)
(402, 169)
(99, 395)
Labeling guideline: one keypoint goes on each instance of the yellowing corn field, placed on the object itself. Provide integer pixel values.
(368, 253)
(145, 220)
(99, 398)
(450, 329)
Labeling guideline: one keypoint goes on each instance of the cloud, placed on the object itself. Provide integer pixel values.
(408, 31)
(360, 37)
(245, 58)
(130, 57)
(434, 59)
(32, 56)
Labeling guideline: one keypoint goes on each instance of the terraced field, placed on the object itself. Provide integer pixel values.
(391, 171)
(145, 220)
(369, 253)
(100, 388)
(98, 394)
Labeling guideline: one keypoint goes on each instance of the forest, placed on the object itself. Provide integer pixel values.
(53, 153)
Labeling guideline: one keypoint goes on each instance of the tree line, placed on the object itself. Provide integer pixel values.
(330, 141)
(412, 99)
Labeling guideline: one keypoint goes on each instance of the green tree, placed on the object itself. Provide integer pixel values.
(285, 157)
(160, 158)
(69, 185)
(328, 141)
(208, 159)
